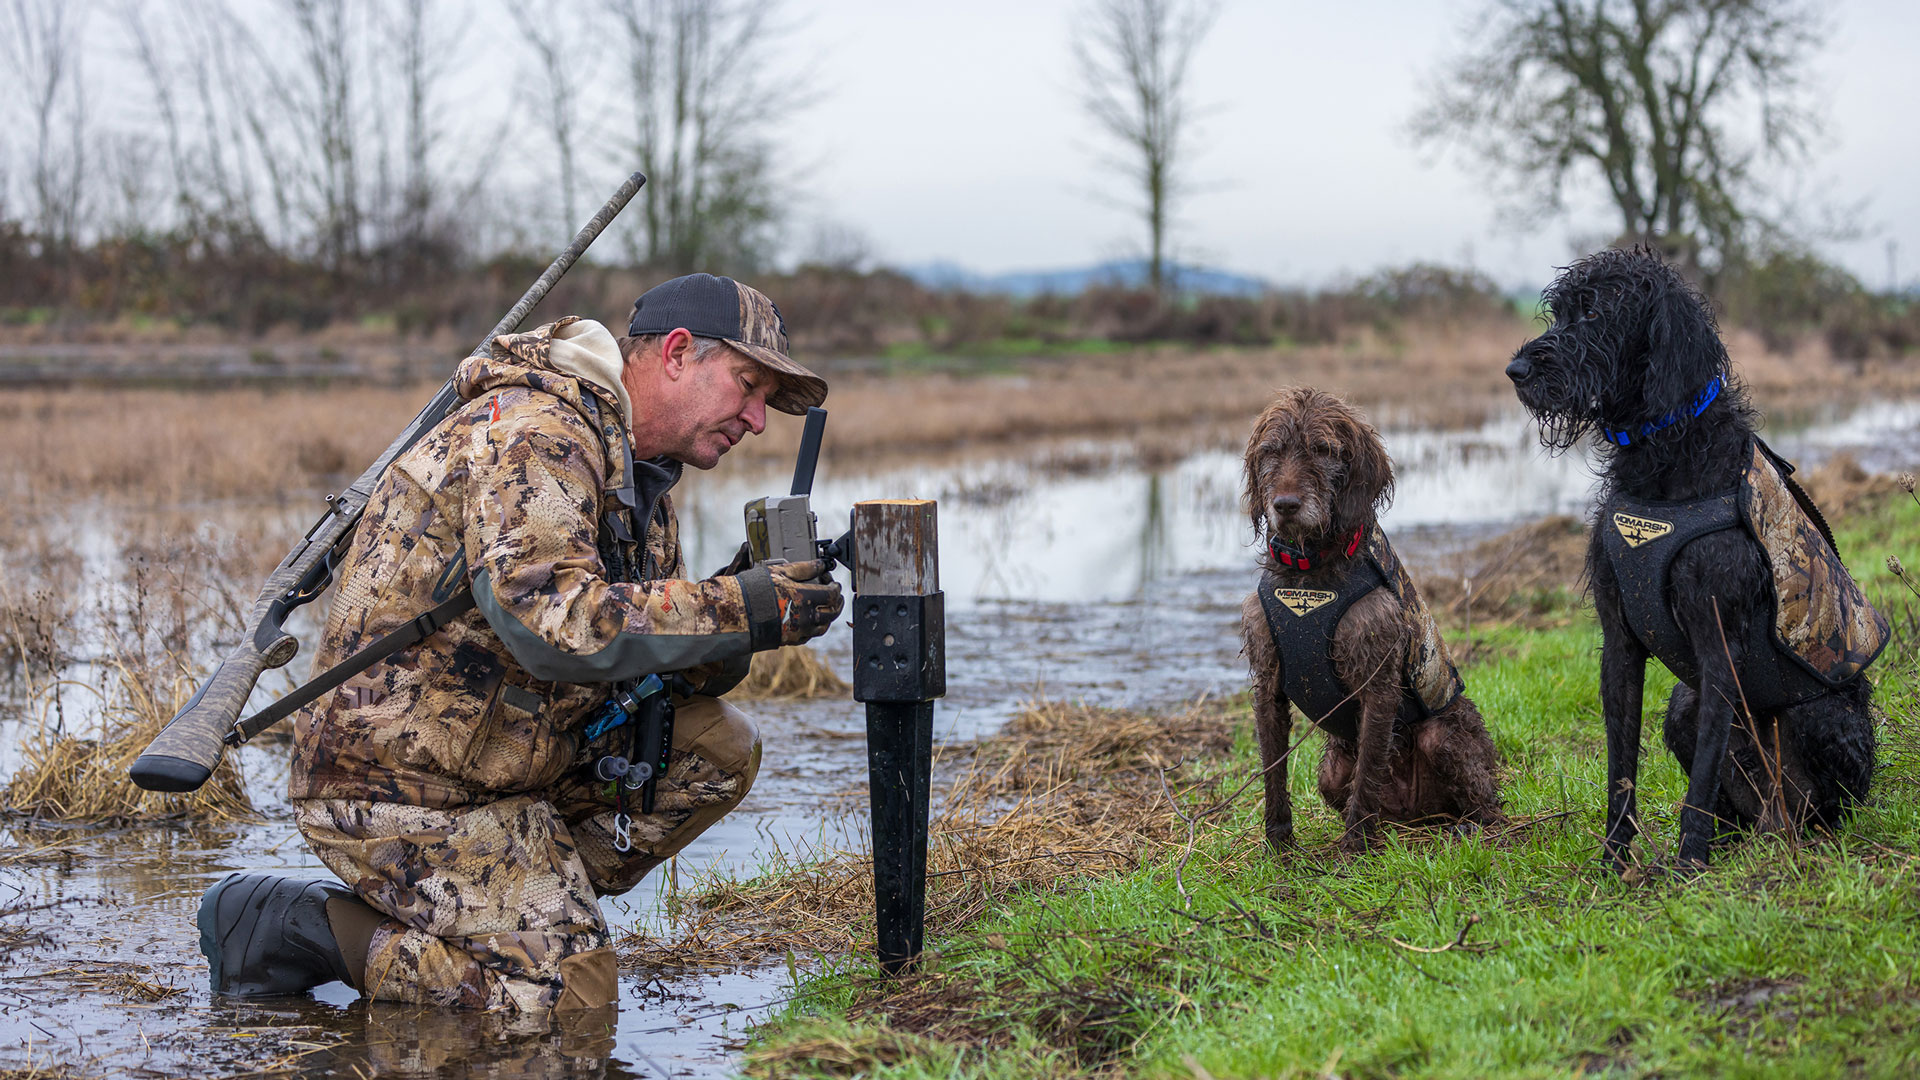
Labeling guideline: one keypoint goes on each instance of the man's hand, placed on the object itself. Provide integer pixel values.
(809, 600)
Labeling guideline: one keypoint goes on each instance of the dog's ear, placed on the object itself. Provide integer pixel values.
(1369, 484)
(1684, 351)
(1249, 468)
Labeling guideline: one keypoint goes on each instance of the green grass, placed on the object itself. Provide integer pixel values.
(1785, 959)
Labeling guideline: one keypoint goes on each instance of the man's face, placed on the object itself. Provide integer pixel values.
(726, 400)
(716, 403)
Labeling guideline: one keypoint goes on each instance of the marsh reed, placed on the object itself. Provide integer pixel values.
(790, 673)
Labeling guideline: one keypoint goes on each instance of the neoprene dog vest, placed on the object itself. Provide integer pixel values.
(1302, 622)
(1821, 621)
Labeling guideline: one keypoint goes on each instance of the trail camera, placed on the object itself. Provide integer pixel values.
(782, 528)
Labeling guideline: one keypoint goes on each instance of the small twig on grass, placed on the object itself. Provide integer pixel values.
(1517, 824)
(1459, 942)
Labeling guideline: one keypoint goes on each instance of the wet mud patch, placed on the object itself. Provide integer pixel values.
(1746, 997)
(1751, 1007)
(1615, 1060)
(1146, 976)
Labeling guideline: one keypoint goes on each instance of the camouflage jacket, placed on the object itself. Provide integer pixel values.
(509, 494)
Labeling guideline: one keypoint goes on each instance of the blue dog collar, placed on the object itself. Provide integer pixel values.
(1700, 402)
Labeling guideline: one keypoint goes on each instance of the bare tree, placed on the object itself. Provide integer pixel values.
(1666, 104)
(418, 71)
(129, 161)
(705, 96)
(325, 111)
(549, 31)
(147, 50)
(1134, 58)
(40, 41)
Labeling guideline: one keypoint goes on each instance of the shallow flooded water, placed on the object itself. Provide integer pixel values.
(1075, 573)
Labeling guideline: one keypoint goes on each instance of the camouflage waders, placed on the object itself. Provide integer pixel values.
(496, 905)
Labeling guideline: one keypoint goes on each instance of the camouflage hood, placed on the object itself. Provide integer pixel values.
(569, 358)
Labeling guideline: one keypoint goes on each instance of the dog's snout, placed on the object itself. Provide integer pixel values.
(1520, 368)
(1285, 504)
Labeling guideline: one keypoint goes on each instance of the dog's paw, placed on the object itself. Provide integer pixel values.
(1355, 840)
(1280, 840)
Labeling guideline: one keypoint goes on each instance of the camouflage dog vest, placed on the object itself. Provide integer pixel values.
(1821, 620)
(1302, 622)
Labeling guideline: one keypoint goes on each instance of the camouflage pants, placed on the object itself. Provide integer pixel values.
(495, 905)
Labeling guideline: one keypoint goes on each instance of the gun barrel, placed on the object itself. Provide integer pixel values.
(810, 437)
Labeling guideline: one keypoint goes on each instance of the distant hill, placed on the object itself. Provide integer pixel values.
(1122, 273)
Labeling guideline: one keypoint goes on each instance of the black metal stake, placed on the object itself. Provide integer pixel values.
(899, 667)
(899, 761)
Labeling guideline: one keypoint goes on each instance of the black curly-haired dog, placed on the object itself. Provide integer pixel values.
(1634, 357)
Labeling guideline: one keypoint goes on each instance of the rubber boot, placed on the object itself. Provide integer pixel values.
(265, 934)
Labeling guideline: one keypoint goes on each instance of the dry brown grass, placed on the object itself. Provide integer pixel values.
(790, 673)
(1062, 793)
(82, 775)
(92, 683)
(171, 446)
(124, 979)
(863, 1054)
(1520, 576)
(165, 447)
(40, 854)
(1840, 485)
(49, 1070)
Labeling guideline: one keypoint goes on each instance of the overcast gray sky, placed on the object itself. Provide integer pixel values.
(952, 131)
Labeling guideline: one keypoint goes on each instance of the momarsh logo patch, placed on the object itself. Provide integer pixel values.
(1638, 530)
(1301, 601)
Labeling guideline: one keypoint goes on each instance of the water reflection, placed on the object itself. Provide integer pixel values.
(1104, 528)
(1087, 523)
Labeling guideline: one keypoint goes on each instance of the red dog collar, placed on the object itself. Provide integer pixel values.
(1301, 559)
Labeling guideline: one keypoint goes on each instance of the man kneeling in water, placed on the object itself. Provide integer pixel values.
(451, 785)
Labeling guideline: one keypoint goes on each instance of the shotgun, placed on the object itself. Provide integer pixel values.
(186, 751)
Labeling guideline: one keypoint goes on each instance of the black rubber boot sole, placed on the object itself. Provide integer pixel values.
(264, 935)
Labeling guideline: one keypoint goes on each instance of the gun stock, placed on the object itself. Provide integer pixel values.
(184, 754)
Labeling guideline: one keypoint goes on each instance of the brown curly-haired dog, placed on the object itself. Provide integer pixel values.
(1337, 629)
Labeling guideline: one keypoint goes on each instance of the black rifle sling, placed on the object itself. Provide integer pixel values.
(412, 633)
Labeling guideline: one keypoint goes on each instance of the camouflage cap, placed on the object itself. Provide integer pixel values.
(739, 315)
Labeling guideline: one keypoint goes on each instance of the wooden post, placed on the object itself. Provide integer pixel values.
(899, 667)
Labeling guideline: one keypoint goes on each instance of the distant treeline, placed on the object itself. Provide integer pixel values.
(237, 281)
